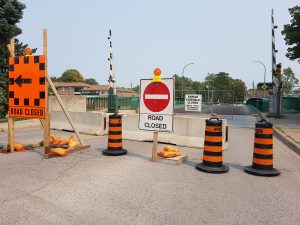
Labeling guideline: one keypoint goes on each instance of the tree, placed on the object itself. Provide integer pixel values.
(53, 78)
(11, 12)
(136, 88)
(224, 87)
(20, 48)
(71, 75)
(239, 88)
(91, 81)
(217, 87)
(288, 81)
(292, 34)
(183, 85)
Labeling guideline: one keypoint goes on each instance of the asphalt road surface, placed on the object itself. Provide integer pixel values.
(89, 188)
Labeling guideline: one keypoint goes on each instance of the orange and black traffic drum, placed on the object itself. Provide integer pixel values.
(262, 163)
(213, 152)
(114, 142)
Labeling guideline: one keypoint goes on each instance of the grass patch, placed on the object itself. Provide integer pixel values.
(5, 119)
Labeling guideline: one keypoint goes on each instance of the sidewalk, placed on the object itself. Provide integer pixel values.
(21, 124)
(287, 129)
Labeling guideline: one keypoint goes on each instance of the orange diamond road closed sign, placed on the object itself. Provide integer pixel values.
(27, 89)
(156, 105)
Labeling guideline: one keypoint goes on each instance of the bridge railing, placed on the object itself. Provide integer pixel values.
(101, 103)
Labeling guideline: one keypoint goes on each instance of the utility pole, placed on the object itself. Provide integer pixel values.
(276, 97)
(113, 103)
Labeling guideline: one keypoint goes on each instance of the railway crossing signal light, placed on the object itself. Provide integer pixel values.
(278, 70)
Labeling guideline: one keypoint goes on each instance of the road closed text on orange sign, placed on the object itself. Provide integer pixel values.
(27, 88)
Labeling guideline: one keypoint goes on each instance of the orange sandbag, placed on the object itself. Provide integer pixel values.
(58, 140)
(170, 149)
(60, 151)
(52, 138)
(160, 154)
(19, 147)
(72, 143)
(63, 141)
(178, 153)
(169, 154)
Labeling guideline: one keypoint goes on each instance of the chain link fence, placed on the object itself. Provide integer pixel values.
(213, 101)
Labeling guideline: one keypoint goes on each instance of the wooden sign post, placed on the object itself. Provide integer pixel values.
(28, 95)
(154, 146)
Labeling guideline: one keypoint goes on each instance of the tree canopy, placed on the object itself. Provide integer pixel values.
(289, 80)
(136, 88)
(91, 81)
(219, 86)
(71, 75)
(292, 34)
(11, 12)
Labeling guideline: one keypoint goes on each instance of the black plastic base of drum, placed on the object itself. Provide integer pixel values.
(266, 173)
(209, 169)
(114, 152)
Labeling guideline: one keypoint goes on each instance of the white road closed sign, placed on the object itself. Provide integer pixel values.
(193, 103)
(156, 105)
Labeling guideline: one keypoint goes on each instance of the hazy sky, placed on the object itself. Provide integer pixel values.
(215, 35)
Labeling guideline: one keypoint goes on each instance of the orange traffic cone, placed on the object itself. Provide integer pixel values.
(262, 163)
(212, 155)
(115, 146)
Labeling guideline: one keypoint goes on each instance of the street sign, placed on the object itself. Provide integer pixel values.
(27, 89)
(156, 105)
(193, 103)
(264, 86)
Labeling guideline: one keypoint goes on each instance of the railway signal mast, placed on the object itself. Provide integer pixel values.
(276, 77)
(113, 104)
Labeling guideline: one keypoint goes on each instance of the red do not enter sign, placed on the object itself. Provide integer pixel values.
(156, 96)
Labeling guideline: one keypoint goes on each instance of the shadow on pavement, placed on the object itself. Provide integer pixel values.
(132, 154)
(191, 163)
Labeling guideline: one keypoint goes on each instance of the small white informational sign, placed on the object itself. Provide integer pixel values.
(156, 105)
(193, 103)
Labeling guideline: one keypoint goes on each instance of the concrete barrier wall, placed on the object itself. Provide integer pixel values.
(85, 122)
(188, 131)
(73, 103)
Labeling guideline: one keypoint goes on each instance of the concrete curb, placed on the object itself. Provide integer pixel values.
(283, 137)
(287, 140)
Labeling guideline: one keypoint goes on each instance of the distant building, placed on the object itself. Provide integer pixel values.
(102, 90)
(78, 88)
(296, 92)
(72, 88)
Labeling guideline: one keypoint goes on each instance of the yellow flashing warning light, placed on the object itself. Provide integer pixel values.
(156, 77)
(28, 51)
